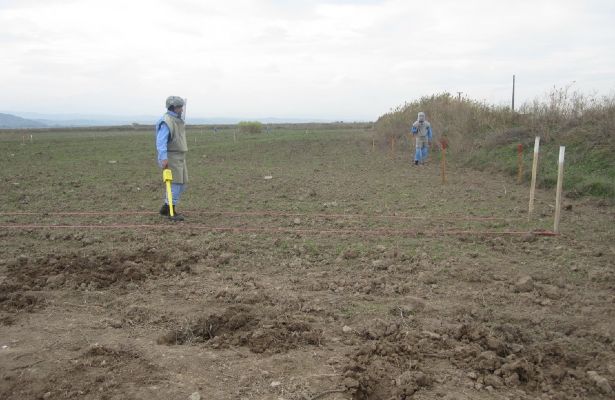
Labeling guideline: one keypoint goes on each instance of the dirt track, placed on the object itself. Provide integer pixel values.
(353, 314)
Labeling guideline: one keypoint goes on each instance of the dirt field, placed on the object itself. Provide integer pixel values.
(350, 274)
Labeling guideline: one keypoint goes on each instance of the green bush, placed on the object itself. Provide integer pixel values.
(250, 127)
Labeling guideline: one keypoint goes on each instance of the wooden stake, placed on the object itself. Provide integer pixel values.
(519, 163)
(373, 144)
(443, 166)
(534, 171)
(558, 194)
(235, 136)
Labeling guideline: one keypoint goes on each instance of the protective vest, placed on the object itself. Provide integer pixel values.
(421, 128)
(177, 133)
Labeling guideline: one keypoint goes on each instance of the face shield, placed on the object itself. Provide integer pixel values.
(421, 117)
(176, 102)
(183, 113)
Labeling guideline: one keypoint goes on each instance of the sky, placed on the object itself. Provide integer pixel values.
(321, 59)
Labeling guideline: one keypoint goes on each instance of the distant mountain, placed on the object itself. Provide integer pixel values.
(85, 120)
(9, 121)
(40, 120)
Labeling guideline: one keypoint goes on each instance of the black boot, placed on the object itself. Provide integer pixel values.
(176, 216)
(164, 210)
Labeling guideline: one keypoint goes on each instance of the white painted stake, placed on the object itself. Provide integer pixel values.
(534, 171)
(560, 183)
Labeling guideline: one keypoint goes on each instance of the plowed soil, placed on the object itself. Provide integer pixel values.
(349, 274)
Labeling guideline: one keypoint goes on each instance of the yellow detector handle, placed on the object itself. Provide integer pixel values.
(167, 177)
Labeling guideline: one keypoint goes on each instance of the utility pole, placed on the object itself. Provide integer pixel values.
(513, 95)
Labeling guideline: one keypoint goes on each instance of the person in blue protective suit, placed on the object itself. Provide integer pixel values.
(172, 147)
(421, 130)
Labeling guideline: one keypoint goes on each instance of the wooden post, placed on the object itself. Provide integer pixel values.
(558, 194)
(373, 144)
(534, 171)
(235, 136)
(443, 166)
(513, 96)
(519, 163)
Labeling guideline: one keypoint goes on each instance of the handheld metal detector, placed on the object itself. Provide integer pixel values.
(167, 177)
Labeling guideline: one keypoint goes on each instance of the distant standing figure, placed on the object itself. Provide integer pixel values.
(421, 130)
(172, 147)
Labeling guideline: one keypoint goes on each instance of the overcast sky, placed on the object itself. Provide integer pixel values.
(328, 59)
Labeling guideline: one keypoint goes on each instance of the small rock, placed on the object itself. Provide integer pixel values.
(423, 379)
(350, 383)
(275, 384)
(54, 282)
(112, 162)
(517, 348)
(224, 258)
(346, 329)
(378, 264)
(551, 292)
(415, 304)
(432, 335)
(525, 284)
(512, 380)
(195, 396)
(47, 395)
(496, 345)
(381, 248)
(297, 221)
(22, 259)
(472, 375)
(601, 382)
(529, 237)
(114, 323)
(488, 360)
(494, 381)
(268, 177)
(427, 278)
(350, 254)
(168, 338)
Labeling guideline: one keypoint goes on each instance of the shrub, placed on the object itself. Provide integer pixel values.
(250, 127)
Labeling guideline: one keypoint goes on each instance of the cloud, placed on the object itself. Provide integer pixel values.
(336, 59)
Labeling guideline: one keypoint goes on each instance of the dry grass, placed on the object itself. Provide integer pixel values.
(487, 135)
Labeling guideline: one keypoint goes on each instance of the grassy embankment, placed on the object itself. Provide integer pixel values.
(486, 137)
